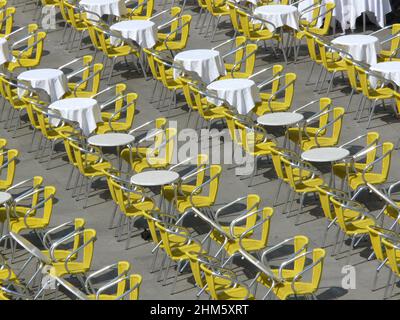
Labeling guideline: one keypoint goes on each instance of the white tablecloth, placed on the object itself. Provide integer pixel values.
(53, 81)
(389, 70)
(242, 94)
(362, 47)
(279, 15)
(102, 7)
(144, 32)
(347, 11)
(208, 64)
(5, 55)
(85, 111)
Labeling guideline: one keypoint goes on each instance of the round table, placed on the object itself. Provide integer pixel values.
(112, 140)
(328, 154)
(102, 7)
(5, 55)
(280, 119)
(242, 94)
(279, 15)
(361, 47)
(389, 70)
(143, 32)
(85, 111)
(208, 64)
(154, 178)
(5, 197)
(52, 81)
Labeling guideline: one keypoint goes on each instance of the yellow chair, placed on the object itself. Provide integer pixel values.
(51, 133)
(89, 168)
(324, 137)
(235, 20)
(376, 235)
(85, 253)
(118, 284)
(172, 24)
(20, 210)
(31, 55)
(389, 54)
(168, 81)
(196, 259)
(142, 11)
(176, 254)
(111, 51)
(371, 94)
(301, 183)
(168, 192)
(311, 26)
(330, 62)
(354, 227)
(297, 286)
(88, 86)
(367, 155)
(286, 270)
(216, 10)
(113, 125)
(6, 21)
(177, 38)
(243, 66)
(376, 172)
(158, 157)
(9, 167)
(254, 29)
(132, 204)
(250, 240)
(274, 82)
(270, 103)
(353, 80)
(115, 104)
(214, 275)
(393, 255)
(204, 199)
(55, 246)
(28, 222)
(296, 134)
(255, 143)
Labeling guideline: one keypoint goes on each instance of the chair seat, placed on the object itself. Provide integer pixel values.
(18, 224)
(238, 293)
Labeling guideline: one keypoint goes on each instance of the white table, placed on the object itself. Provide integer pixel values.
(347, 11)
(389, 70)
(85, 111)
(280, 119)
(154, 178)
(361, 47)
(112, 140)
(5, 55)
(323, 155)
(143, 32)
(52, 81)
(242, 94)
(279, 15)
(208, 64)
(101, 7)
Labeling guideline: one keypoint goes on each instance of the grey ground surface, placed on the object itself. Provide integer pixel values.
(97, 215)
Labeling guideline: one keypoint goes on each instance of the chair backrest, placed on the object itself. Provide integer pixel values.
(392, 250)
(143, 9)
(324, 193)
(395, 43)
(6, 20)
(135, 282)
(9, 166)
(183, 28)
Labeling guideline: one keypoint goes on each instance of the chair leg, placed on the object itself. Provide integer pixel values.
(325, 233)
(166, 272)
(385, 294)
(331, 82)
(111, 71)
(299, 211)
(351, 98)
(371, 113)
(53, 142)
(215, 28)
(70, 177)
(176, 277)
(89, 182)
(353, 239)
(113, 216)
(277, 193)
